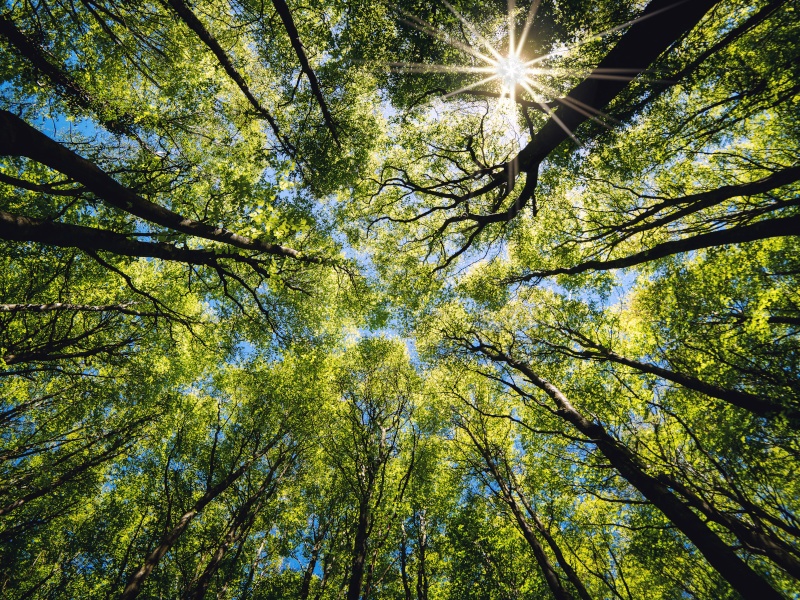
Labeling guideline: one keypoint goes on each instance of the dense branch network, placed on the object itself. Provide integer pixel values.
(193, 407)
(641, 44)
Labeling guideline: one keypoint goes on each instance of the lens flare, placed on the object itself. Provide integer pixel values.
(511, 72)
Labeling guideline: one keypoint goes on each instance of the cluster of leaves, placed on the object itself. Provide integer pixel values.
(283, 318)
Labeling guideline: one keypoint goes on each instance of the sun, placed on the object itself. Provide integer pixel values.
(508, 69)
(512, 72)
(531, 82)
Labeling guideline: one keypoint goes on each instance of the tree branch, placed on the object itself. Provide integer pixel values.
(192, 22)
(288, 23)
(17, 138)
(769, 228)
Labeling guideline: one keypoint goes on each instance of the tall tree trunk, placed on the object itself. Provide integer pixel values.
(288, 23)
(319, 538)
(404, 563)
(760, 230)
(749, 584)
(327, 567)
(43, 62)
(305, 588)
(562, 561)
(422, 549)
(17, 138)
(755, 540)
(239, 527)
(183, 10)
(63, 235)
(750, 402)
(359, 552)
(134, 584)
(549, 572)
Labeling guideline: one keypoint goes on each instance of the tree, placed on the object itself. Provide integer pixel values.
(404, 299)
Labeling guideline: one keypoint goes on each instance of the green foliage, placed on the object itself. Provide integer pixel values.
(302, 319)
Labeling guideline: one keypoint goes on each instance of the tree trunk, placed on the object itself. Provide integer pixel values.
(404, 564)
(26, 229)
(17, 138)
(134, 584)
(749, 584)
(422, 543)
(745, 400)
(760, 230)
(550, 575)
(661, 23)
(571, 574)
(359, 552)
(239, 527)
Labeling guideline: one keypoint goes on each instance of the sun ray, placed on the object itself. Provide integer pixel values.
(472, 29)
(422, 26)
(528, 22)
(472, 85)
(550, 112)
(514, 75)
(602, 34)
(586, 110)
(425, 68)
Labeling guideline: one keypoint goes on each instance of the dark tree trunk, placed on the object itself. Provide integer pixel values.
(62, 235)
(17, 138)
(422, 543)
(749, 584)
(359, 552)
(305, 588)
(549, 572)
(404, 565)
(662, 24)
(760, 230)
(749, 402)
(241, 524)
(134, 585)
(196, 25)
(40, 60)
(288, 23)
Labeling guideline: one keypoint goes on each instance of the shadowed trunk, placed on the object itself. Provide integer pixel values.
(359, 552)
(749, 584)
(134, 584)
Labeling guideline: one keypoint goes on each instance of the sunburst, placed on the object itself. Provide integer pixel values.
(509, 73)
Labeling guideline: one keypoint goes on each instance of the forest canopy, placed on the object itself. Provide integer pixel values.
(413, 300)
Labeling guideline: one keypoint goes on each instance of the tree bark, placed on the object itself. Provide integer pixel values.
(37, 56)
(404, 563)
(122, 308)
(17, 138)
(288, 23)
(133, 587)
(359, 552)
(26, 229)
(745, 400)
(760, 230)
(661, 24)
(305, 588)
(749, 584)
(693, 203)
(562, 561)
(752, 538)
(549, 572)
(239, 527)
(192, 22)
(422, 548)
